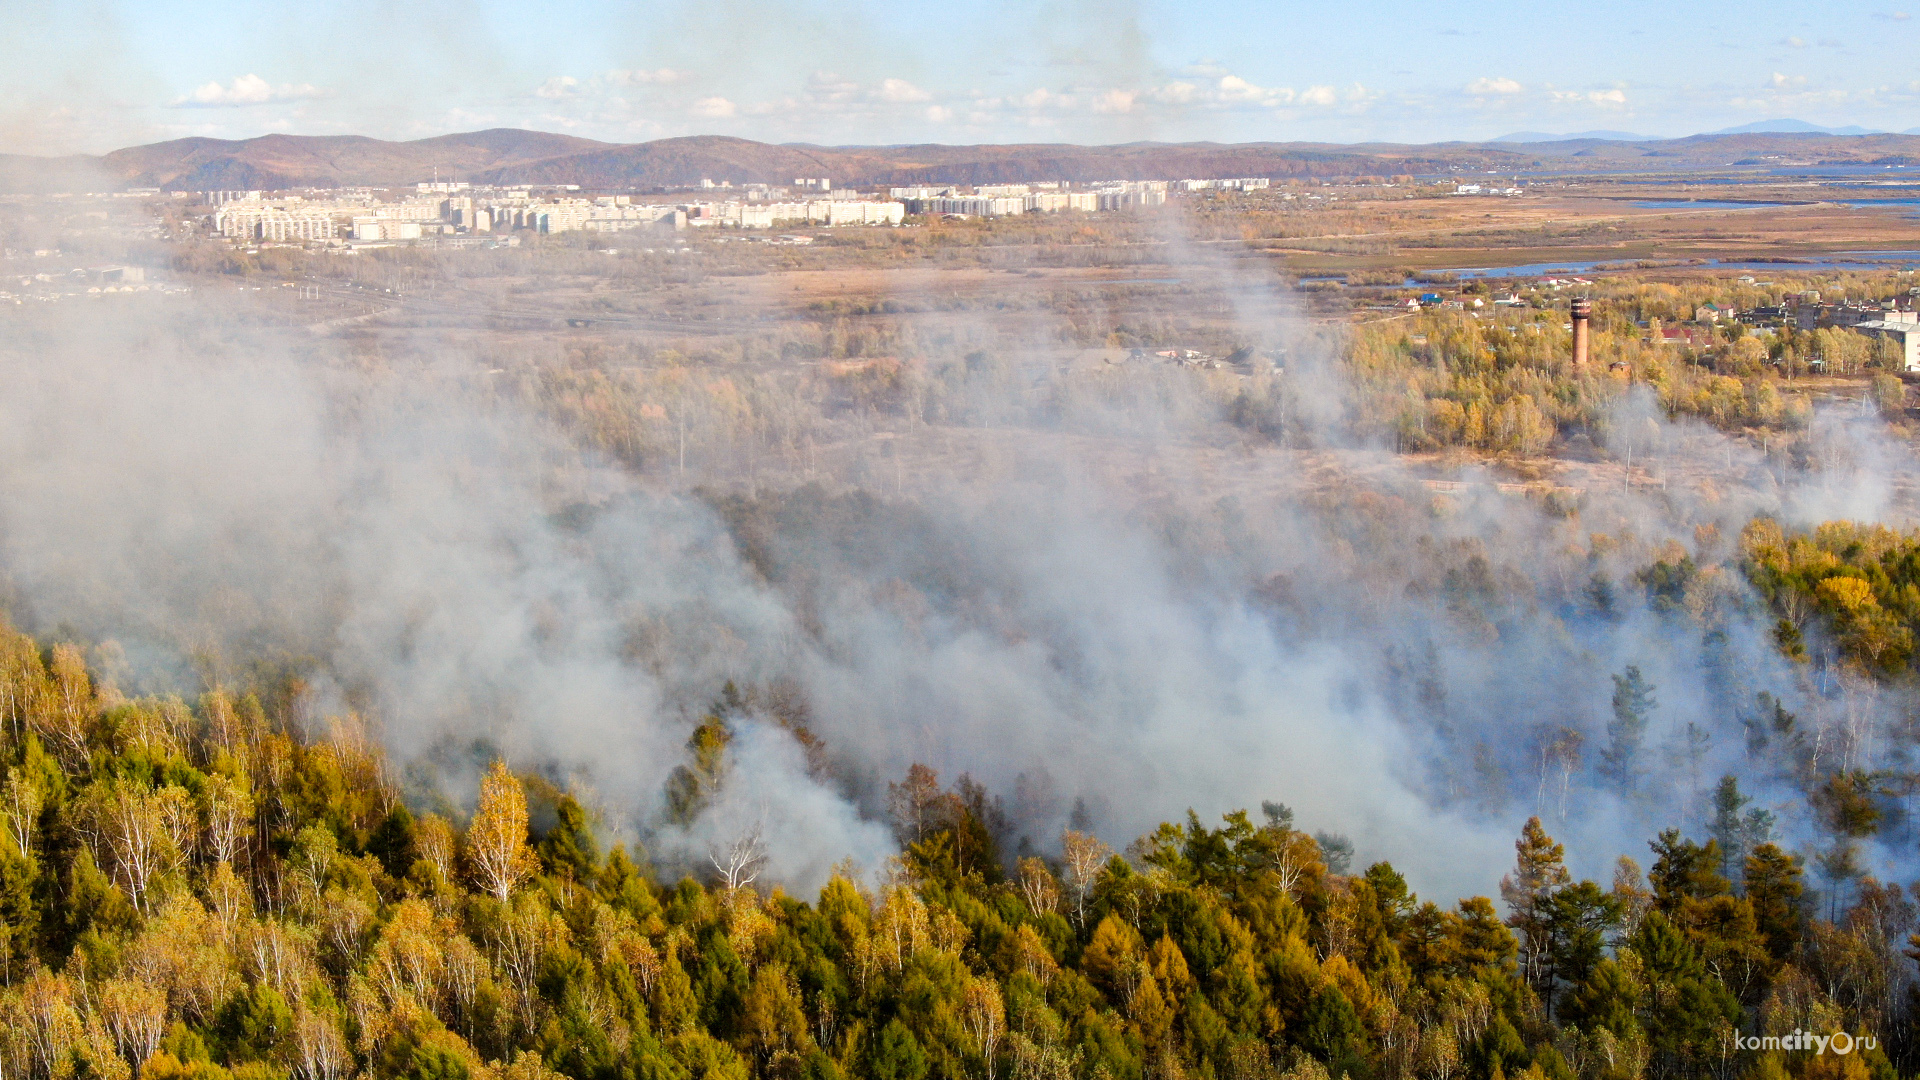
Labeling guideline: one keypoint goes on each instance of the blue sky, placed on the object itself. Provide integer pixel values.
(93, 75)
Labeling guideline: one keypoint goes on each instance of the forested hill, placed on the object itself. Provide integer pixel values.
(197, 892)
(515, 156)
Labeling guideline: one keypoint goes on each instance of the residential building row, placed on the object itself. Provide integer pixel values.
(1003, 205)
(453, 208)
(293, 218)
(997, 191)
(1006, 200)
(1243, 183)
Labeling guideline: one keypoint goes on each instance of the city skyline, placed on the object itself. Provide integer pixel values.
(96, 77)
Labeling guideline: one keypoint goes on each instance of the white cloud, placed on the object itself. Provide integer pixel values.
(1319, 95)
(1114, 101)
(1232, 88)
(657, 77)
(1176, 93)
(900, 91)
(827, 86)
(1235, 88)
(1782, 93)
(1225, 92)
(939, 114)
(248, 89)
(560, 86)
(826, 93)
(1483, 87)
(1795, 43)
(1615, 98)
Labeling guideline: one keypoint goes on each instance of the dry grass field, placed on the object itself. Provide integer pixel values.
(613, 322)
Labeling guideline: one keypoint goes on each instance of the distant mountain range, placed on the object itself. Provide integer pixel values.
(1541, 136)
(1758, 127)
(1801, 127)
(512, 156)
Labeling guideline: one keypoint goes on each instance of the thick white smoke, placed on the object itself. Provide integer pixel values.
(1383, 660)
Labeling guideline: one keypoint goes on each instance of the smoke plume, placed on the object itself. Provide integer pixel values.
(1134, 617)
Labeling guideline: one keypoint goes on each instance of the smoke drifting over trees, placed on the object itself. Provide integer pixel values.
(935, 613)
(1103, 593)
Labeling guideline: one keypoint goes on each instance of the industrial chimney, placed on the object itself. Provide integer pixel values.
(1582, 312)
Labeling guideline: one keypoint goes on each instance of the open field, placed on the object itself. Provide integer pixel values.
(885, 339)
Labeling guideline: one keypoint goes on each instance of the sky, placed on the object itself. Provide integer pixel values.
(94, 75)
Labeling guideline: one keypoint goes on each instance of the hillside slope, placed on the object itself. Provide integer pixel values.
(279, 161)
(512, 156)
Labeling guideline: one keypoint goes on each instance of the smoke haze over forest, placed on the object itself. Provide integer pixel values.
(817, 541)
(1084, 611)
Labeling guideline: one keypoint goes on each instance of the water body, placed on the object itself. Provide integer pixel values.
(1745, 174)
(1649, 173)
(1701, 204)
(1892, 260)
(1837, 170)
(1738, 204)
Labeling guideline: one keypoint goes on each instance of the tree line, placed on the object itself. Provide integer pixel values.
(196, 891)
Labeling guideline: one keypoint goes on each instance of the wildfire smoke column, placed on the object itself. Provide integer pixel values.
(1582, 313)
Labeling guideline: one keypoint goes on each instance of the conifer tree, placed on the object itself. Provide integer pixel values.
(692, 785)
(1774, 886)
(1538, 875)
(1604, 1002)
(1633, 703)
(1737, 833)
(568, 847)
(1580, 920)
